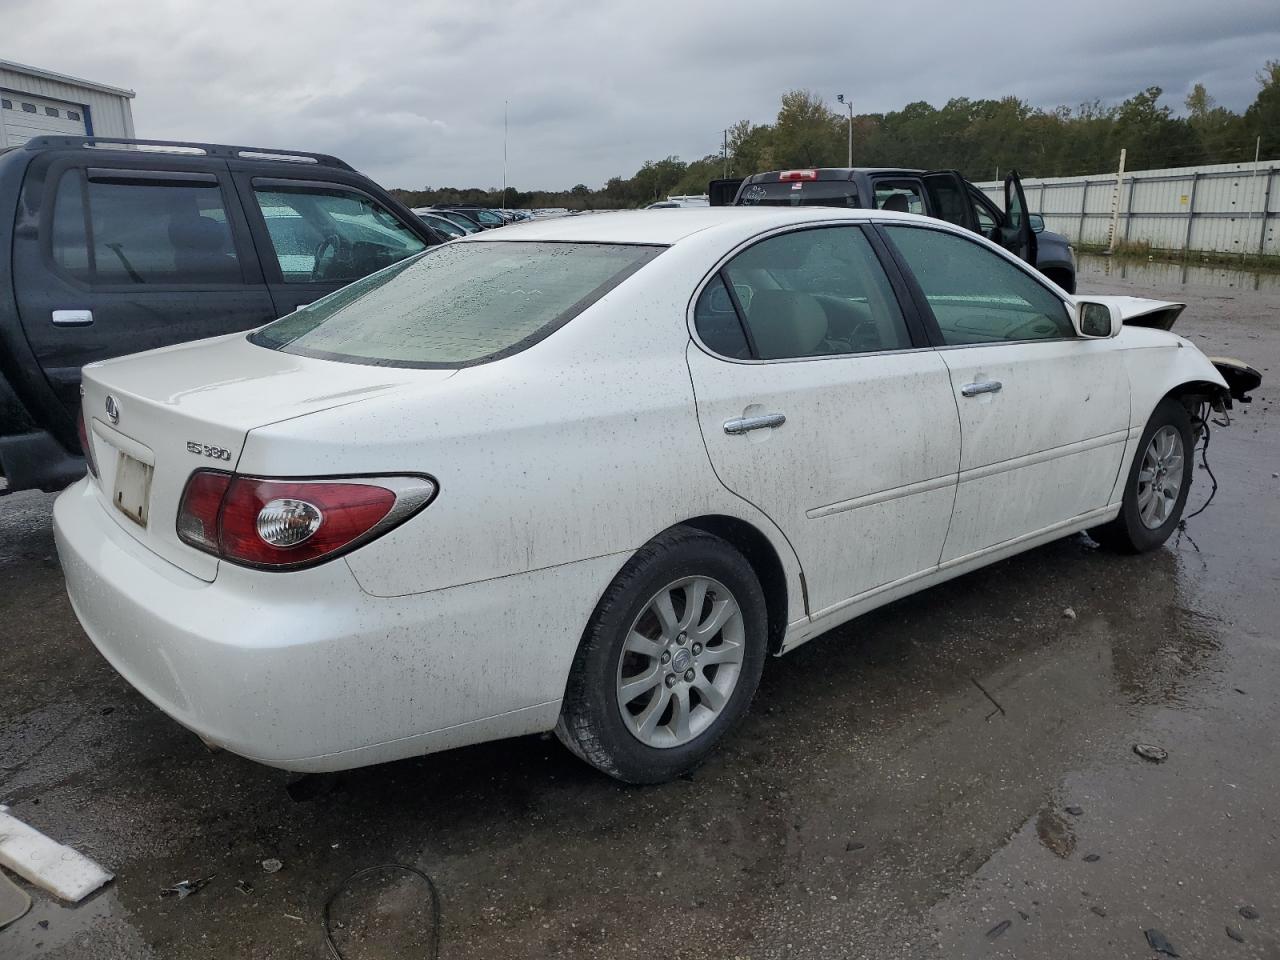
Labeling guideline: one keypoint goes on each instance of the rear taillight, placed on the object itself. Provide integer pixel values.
(82, 427)
(281, 524)
(798, 175)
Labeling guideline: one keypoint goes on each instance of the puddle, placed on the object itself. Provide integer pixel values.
(1093, 268)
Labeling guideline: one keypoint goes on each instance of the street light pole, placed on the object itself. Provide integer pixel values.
(848, 103)
(504, 154)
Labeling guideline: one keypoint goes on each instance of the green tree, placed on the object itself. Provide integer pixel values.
(806, 133)
(1262, 119)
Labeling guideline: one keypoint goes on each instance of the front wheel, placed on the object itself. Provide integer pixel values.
(669, 661)
(1157, 486)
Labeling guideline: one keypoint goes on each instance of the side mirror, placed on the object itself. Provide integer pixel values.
(1037, 223)
(1096, 321)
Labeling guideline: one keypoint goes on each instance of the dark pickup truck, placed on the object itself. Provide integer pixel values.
(121, 246)
(943, 194)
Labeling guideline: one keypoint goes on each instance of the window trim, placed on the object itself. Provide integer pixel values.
(916, 328)
(922, 302)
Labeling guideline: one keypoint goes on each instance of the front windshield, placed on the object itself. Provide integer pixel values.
(456, 305)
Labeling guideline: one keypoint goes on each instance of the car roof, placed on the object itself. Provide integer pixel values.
(670, 226)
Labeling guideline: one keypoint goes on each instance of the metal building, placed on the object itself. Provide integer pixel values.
(35, 103)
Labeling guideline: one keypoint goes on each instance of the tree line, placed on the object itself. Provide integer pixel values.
(978, 137)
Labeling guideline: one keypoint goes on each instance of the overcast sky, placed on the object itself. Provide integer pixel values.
(412, 92)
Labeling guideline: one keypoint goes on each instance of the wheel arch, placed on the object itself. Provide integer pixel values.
(760, 553)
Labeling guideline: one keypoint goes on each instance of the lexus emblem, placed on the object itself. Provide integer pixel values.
(113, 409)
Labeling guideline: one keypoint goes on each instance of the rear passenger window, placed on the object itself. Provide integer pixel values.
(140, 233)
(816, 293)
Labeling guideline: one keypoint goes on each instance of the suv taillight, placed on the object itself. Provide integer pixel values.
(282, 524)
(82, 428)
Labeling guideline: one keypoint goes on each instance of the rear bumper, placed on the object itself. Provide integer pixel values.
(304, 670)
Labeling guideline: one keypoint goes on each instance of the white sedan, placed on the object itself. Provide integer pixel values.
(586, 474)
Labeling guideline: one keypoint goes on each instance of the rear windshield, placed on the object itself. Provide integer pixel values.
(799, 193)
(458, 304)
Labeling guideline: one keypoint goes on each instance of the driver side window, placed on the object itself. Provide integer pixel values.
(976, 295)
(331, 234)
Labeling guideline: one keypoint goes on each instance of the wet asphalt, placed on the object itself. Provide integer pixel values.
(951, 776)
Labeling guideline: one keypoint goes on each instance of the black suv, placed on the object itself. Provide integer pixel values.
(943, 194)
(120, 246)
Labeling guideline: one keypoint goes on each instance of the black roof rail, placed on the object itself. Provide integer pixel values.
(188, 148)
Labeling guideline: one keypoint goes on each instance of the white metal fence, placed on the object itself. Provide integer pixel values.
(1222, 208)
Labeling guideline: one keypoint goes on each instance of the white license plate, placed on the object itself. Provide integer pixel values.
(133, 488)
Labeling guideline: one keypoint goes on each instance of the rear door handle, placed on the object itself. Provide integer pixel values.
(72, 318)
(762, 422)
(980, 387)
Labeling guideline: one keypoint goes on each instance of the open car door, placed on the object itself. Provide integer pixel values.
(1016, 234)
(722, 192)
(949, 198)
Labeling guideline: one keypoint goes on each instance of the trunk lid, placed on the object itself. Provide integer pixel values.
(190, 407)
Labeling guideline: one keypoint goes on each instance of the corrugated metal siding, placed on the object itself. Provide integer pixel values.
(1222, 208)
(111, 115)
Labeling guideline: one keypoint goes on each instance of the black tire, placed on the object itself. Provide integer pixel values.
(1127, 533)
(591, 723)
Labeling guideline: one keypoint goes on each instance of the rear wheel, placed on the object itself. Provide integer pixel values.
(1158, 483)
(669, 661)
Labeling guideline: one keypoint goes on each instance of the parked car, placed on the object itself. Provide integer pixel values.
(112, 247)
(487, 219)
(587, 473)
(944, 194)
(443, 225)
(461, 219)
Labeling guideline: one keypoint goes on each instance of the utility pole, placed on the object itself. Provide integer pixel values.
(848, 103)
(726, 154)
(504, 154)
(1115, 203)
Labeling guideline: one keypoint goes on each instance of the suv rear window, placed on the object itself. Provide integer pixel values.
(799, 193)
(459, 304)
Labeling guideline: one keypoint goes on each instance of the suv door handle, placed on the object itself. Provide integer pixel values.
(762, 422)
(72, 318)
(980, 387)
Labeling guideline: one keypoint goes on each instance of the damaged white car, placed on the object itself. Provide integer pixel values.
(586, 474)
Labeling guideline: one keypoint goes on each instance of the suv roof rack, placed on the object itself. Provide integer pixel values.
(187, 148)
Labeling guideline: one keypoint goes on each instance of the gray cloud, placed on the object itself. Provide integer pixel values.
(412, 93)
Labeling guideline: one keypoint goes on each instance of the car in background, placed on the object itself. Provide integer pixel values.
(116, 246)
(944, 194)
(486, 218)
(443, 225)
(588, 474)
(460, 219)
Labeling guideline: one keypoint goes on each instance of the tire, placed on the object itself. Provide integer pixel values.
(1133, 530)
(644, 740)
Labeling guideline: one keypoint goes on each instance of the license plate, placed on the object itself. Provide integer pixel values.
(133, 488)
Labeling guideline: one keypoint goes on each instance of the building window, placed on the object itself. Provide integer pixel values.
(73, 115)
(28, 108)
(50, 111)
(6, 104)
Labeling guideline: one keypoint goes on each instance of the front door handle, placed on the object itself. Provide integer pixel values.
(72, 318)
(762, 422)
(980, 387)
